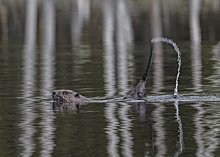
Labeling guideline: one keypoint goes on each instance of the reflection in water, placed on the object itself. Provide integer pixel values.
(158, 52)
(180, 129)
(158, 86)
(195, 35)
(199, 129)
(216, 57)
(27, 108)
(124, 39)
(4, 22)
(210, 139)
(216, 74)
(125, 130)
(109, 78)
(80, 13)
(111, 129)
(207, 129)
(47, 80)
(117, 36)
(157, 114)
(140, 108)
(158, 126)
(4, 29)
(211, 136)
(109, 56)
(207, 140)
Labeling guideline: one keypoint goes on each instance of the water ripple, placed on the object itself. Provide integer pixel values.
(111, 130)
(126, 125)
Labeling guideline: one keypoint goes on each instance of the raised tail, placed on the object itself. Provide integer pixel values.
(139, 92)
(145, 74)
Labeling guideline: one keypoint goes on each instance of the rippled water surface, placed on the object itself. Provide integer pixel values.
(100, 48)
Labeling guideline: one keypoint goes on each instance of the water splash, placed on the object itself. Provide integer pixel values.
(169, 41)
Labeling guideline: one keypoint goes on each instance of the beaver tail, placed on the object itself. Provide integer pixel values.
(139, 92)
(145, 74)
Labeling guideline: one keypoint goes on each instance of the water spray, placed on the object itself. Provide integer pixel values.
(169, 41)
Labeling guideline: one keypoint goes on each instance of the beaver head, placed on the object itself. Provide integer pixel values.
(67, 96)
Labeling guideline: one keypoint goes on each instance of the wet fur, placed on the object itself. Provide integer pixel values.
(68, 96)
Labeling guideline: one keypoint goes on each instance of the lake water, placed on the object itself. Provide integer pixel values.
(100, 48)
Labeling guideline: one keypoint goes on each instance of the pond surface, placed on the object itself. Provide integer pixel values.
(101, 48)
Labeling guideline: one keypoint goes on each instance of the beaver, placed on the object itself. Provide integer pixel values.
(139, 92)
(67, 100)
(67, 96)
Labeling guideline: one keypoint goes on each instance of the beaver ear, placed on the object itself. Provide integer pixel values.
(77, 95)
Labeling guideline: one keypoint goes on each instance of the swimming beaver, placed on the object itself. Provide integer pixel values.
(68, 96)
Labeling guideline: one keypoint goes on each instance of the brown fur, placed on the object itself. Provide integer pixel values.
(68, 96)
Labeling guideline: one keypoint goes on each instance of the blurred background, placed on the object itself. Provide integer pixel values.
(67, 43)
(100, 48)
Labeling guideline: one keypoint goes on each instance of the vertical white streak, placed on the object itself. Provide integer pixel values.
(207, 126)
(47, 76)
(109, 56)
(111, 129)
(109, 78)
(158, 79)
(159, 130)
(80, 14)
(206, 139)
(180, 129)
(124, 39)
(48, 43)
(199, 130)
(29, 72)
(195, 35)
(216, 57)
(125, 130)
(156, 28)
(31, 24)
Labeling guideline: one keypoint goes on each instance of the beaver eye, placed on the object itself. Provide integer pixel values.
(77, 95)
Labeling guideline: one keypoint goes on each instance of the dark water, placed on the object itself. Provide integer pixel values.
(100, 48)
